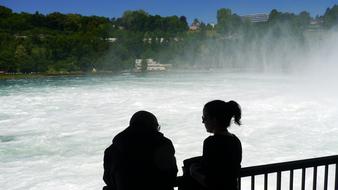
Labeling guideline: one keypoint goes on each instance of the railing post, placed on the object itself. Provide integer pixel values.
(279, 180)
(291, 180)
(303, 178)
(252, 182)
(326, 172)
(336, 177)
(314, 186)
(266, 181)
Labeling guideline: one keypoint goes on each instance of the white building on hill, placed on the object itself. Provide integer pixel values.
(260, 17)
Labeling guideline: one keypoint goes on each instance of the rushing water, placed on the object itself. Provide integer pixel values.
(53, 131)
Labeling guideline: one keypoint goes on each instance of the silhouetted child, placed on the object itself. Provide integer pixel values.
(140, 157)
(220, 163)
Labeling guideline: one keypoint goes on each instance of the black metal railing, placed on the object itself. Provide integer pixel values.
(289, 168)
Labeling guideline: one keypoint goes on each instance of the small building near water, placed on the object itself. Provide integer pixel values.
(150, 65)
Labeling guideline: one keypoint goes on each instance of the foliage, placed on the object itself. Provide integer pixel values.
(63, 43)
(59, 42)
(330, 17)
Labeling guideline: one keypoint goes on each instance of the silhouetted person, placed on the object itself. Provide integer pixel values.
(220, 163)
(140, 157)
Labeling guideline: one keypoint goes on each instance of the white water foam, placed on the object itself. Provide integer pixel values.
(53, 131)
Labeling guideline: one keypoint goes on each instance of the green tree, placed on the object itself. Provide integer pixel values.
(330, 17)
(223, 20)
(227, 23)
(7, 62)
(5, 12)
(23, 60)
(134, 20)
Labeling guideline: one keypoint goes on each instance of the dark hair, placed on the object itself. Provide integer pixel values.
(144, 120)
(224, 111)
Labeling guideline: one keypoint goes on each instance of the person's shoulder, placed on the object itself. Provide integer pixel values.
(235, 138)
(228, 137)
(209, 139)
(110, 149)
(163, 138)
(122, 136)
(164, 143)
(236, 141)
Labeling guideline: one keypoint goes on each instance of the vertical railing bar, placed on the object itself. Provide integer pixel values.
(326, 172)
(279, 179)
(291, 180)
(239, 183)
(336, 177)
(266, 181)
(252, 182)
(314, 187)
(303, 178)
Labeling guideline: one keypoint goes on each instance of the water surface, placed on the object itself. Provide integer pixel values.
(53, 131)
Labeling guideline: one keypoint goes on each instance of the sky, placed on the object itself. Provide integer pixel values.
(204, 10)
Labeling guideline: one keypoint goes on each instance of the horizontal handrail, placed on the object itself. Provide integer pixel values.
(285, 166)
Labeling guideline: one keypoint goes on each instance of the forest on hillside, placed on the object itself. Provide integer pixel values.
(56, 42)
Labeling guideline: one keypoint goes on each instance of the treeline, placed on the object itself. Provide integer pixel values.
(56, 42)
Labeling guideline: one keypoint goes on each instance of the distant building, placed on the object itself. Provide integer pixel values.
(112, 40)
(254, 18)
(316, 22)
(176, 39)
(149, 65)
(315, 25)
(159, 40)
(195, 26)
(20, 37)
(149, 40)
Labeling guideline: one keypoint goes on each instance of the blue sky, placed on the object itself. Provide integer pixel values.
(204, 10)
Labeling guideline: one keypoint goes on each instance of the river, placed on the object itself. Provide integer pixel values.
(53, 131)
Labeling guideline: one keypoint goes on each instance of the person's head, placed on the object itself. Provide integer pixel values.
(218, 114)
(144, 121)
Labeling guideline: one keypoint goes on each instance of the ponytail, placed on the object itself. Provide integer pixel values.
(235, 111)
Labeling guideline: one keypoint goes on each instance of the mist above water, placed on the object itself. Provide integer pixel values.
(277, 48)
